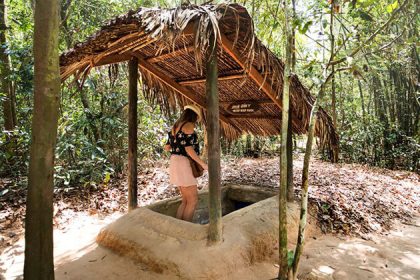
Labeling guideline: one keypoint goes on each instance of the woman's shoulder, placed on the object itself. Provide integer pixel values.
(188, 128)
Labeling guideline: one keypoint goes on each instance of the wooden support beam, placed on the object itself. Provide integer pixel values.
(250, 116)
(132, 132)
(213, 138)
(222, 78)
(65, 72)
(177, 87)
(112, 59)
(169, 54)
(253, 73)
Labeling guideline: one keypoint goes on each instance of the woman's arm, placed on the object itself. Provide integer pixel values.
(190, 151)
(167, 146)
(189, 129)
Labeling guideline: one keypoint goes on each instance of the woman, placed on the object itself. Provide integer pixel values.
(183, 143)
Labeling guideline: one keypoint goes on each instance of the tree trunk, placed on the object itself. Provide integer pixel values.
(248, 148)
(362, 100)
(290, 194)
(213, 138)
(283, 263)
(204, 152)
(290, 187)
(64, 13)
(343, 112)
(305, 179)
(305, 187)
(6, 85)
(39, 262)
(89, 115)
(257, 147)
(333, 95)
(132, 133)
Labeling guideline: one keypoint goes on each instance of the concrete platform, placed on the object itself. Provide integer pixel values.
(171, 246)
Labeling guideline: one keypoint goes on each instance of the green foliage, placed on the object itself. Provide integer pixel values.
(290, 257)
(252, 146)
(372, 143)
(14, 152)
(92, 136)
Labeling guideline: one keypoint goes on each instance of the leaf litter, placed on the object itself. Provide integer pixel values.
(350, 199)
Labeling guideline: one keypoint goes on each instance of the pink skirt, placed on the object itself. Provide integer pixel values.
(180, 173)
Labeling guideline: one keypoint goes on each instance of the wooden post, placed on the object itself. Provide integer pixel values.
(132, 133)
(213, 138)
(39, 257)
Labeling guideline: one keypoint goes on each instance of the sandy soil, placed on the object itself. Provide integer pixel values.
(391, 257)
(394, 256)
(362, 200)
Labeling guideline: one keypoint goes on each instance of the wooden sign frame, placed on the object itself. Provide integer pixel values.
(243, 107)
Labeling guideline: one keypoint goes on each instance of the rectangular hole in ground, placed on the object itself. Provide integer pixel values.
(233, 199)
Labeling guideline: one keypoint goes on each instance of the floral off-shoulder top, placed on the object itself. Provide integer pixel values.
(180, 140)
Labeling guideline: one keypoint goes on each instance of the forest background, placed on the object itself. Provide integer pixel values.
(375, 104)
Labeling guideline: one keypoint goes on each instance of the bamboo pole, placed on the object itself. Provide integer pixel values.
(132, 133)
(213, 138)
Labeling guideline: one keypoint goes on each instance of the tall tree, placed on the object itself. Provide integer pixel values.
(290, 187)
(39, 262)
(283, 262)
(311, 132)
(6, 85)
(332, 46)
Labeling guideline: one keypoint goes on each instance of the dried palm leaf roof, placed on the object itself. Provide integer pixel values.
(171, 44)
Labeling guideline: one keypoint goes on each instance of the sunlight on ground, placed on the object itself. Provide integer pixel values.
(70, 243)
(394, 256)
(391, 257)
(326, 269)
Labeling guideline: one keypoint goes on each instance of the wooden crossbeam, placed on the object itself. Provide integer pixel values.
(177, 87)
(253, 73)
(221, 78)
(112, 59)
(169, 54)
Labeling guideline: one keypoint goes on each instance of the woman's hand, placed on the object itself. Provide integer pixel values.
(190, 151)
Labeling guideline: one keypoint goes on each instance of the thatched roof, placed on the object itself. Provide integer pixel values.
(171, 45)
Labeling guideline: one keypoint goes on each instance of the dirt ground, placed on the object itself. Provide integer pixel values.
(393, 256)
(372, 205)
(384, 257)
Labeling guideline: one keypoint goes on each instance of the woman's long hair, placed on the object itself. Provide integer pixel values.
(187, 115)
